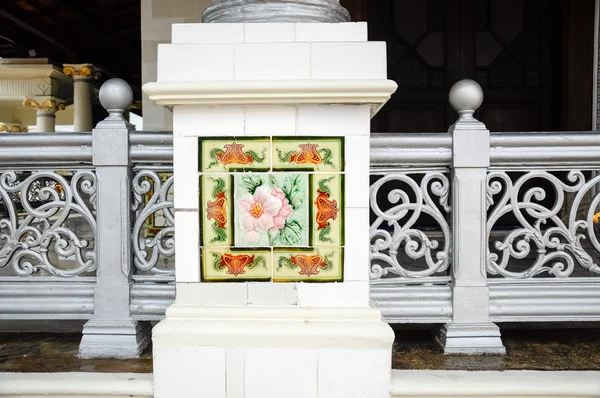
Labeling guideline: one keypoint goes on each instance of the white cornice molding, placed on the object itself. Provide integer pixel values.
(25, 71)
(286, 92)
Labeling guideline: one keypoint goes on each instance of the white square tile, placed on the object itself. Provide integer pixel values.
(272, 294)
(235, 359)
(189, 372)
(343, 374)
(327, 295)
(289, 373)
(358, 165)
(272, 61)
(195, 62)
(356, 248)
(348, 60)
(269, 32)
(270, 120)
(215, 33)
(185, 172)
(323, 32)
(207, 294)
(202, 120)
(334, 120)
(187, 252)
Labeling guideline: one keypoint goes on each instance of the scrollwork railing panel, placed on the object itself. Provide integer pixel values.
(410, 209)
(44, 219)
(153, 230)
(555, 214)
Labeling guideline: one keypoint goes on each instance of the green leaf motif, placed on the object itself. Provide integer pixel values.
(324, 234)
(216, 261)
(215, 158)
(286, 262)
(256, 157)
(326, 154)
(252, 182)
(291, 233)
(327, 261)
(323, 185)
(292, 189)
(285, 157)
(221, 233)
(259, 261)
(219, 186)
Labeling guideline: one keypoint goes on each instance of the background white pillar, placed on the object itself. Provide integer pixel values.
(286, 338)
(82, 74)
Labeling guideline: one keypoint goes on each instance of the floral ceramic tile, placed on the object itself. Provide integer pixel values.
(216, 209)
(271, 209)
(234, 154)
(221, 264)
(308, 153)
(327, 211)
(322, 264)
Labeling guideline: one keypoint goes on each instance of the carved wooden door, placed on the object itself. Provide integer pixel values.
(506, 45)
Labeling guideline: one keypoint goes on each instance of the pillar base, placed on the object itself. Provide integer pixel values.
(272, 352)
(470, 339)
(114, 339)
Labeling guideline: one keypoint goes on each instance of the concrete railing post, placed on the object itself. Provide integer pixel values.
(470, 331)
(111, 332)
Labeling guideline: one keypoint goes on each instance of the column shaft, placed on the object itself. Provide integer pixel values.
(83, 105)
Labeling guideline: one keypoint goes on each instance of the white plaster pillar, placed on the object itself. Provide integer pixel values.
(471, 331)
(46, 113)
(82, 74)
(251, 317)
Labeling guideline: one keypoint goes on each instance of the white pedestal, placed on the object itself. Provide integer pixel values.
(279, 338)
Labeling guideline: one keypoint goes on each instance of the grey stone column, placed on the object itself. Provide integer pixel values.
(111, 332)
(275, 11)
(82, 74)
(46, 112)
(471, 331)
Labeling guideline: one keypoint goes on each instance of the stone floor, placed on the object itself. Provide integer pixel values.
(530, 349)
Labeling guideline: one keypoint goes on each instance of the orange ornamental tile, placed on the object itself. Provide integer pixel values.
(223, 264)
(308, 153)
(219, 154)
(320, 264)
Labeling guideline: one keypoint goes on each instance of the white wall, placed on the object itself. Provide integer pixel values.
(157, 18)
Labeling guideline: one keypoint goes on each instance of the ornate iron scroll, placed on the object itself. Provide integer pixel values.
(551, 236)
(152, 198)
(37, 211)
(399, 202)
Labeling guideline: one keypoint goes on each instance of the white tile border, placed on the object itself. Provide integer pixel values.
(510, 383)
(90, 385)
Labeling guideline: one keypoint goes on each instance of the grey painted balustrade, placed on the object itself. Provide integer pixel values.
(467, 228)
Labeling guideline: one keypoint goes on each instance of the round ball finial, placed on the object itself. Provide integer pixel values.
(466, 97)
(115, 94)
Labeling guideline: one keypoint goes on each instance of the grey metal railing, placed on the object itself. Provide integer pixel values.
(540, 262)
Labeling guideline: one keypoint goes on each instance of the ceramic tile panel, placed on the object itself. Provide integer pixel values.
(271, 222)
(318, 264)
(308, 154)
(225, 264)
(327, 211)
(225, 154)
(216, 204)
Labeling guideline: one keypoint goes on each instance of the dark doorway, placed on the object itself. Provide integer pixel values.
(533, 58)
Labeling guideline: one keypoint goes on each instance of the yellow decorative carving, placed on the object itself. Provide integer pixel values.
(596, 218)
(15, 128)
(84, 71)
(46, 104)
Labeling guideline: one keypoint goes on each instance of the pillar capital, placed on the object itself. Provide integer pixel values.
(50, 104)
(81, 71)
(275, 11)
